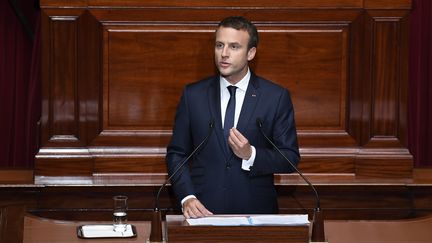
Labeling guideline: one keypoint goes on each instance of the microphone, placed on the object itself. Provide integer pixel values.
(156, 223)
(318, 222)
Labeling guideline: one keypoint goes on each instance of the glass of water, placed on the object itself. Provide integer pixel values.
(120, 213)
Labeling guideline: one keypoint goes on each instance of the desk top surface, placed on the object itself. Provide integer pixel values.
(41, 230)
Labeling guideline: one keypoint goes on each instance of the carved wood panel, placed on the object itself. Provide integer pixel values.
(113, 72)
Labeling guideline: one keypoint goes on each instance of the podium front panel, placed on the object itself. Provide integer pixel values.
(178, 230)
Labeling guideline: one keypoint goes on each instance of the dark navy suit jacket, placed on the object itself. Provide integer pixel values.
(214, 175)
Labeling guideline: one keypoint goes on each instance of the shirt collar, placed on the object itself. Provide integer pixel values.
(242, 84)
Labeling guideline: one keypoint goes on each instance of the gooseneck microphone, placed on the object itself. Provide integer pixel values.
(318, 224)
(181, 164)
(260, 124)
(156, 223)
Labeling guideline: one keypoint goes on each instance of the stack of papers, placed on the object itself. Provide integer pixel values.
(291, 219)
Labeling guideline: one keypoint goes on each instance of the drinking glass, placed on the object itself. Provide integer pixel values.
(120, 213)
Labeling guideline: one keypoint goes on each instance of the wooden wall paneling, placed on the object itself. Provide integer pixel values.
(60, 121)
(14, 176)
(389, 30)
(144, 162)
(403, 64)
(326, 162)
(383, 164)
(64, 162)
(359, 69)
(139, 95)
(324, 4)
(90, 76)
(314, 63)
(385, 82)
(384, 153)
(143, 80)
(387, 4)
(377, 202)
(203, 4)
(63, 120)
(126, 62)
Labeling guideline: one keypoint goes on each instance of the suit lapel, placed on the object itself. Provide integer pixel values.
(249, 104)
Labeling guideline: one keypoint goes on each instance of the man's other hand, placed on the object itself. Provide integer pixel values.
(193, 208)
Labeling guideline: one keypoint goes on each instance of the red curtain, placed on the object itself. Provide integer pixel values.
(420, 78)
(20, 99)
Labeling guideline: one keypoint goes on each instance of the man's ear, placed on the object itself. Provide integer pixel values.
(251, 53)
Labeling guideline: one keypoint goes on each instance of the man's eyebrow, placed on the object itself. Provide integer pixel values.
(234, 43)
(229, 43)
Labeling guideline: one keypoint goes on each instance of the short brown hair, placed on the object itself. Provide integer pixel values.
(241, 23)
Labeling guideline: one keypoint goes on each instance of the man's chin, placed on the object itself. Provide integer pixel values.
(224, 73)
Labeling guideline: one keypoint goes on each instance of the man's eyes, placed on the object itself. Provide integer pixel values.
(233, 46)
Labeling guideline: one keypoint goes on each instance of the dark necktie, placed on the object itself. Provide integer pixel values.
(229, 114)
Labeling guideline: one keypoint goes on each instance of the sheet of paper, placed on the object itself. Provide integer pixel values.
(219, 221)
(101, 231)
(289, 219)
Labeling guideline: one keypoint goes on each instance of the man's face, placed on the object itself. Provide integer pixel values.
(231, 53)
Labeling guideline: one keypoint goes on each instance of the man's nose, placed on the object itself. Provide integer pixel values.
(225, 52)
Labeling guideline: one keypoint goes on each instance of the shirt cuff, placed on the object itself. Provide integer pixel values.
(186, 198)
(246, 164)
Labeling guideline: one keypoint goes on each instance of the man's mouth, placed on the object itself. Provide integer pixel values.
(224, 64)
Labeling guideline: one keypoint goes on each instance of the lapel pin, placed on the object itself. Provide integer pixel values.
(253, 95)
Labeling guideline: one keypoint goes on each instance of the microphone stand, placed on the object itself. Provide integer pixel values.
(156, 226)
(318, 221)
(318, 234)
(156, 223)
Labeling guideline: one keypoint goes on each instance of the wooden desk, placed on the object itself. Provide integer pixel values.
(41, 230)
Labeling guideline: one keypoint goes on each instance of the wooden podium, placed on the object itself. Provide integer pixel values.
(178, 230)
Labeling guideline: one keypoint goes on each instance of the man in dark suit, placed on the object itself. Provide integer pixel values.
(233, 171)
